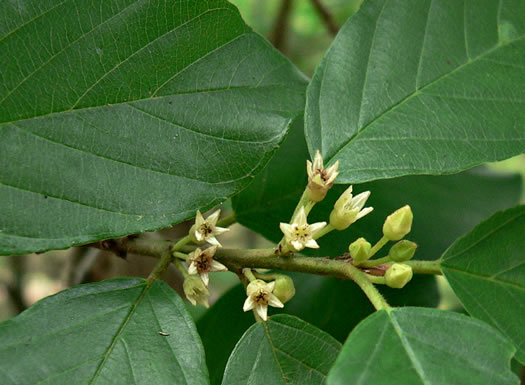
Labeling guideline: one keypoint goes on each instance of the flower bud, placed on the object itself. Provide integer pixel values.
(398, 224)
(284, 288)
(402, 251)
(320, 180)
(196, 291)
(398, 275)
(360, 250)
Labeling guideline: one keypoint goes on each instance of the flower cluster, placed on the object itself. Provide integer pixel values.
(200, 262)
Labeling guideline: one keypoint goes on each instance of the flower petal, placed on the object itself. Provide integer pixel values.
(212, 240)
(296, 245)
(214, 217)
(199, 219)
(262, 311)
(312, 244)
(309, 170)
(204, 302)
(248, 304)
(192, 268)
(205, 278)
(220, 230)
(217, 266)
(274, 301)
(359, 200)
(199, 236)
(270, 286)
(364, 212)
(318, 161)
(287, 229)
(315, 227)
(192, 300)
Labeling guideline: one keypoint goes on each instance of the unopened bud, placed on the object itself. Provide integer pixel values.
(360, 250)
(398, 275)
(284, 288)
(398, 224)
(196, 291)
(402, 251)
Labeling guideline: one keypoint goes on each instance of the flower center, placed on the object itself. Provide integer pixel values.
(205, 229)
(261, 297)
(202, 263)
(302, 233)
(322, 174)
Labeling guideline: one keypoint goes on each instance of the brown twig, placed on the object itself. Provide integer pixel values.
(326, 17)
(280, 29)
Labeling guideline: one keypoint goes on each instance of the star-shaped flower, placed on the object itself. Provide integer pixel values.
(205, 230)
(349, 209)
(300, 234)
(201, 262)
(260, 296)
(320, 180)
(196, 291)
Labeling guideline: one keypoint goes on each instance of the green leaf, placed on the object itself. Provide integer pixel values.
(124, 116)
(104, 333)
(420, 87)
(458, 202)
(335, 306)
(486, 269)
(219, 335)
(284, 350)
(412, 346)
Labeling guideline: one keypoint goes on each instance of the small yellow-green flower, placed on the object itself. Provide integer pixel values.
(320, 180)
(196, 291)
(260, 296)
(349, 209)
(205, 230)
(201, 262)
(300, 234)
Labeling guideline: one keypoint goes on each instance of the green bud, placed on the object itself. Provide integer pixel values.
(284, 288)
(398, 275)
(196, 291)
(360, 250)
(398, 224)
(402, 251)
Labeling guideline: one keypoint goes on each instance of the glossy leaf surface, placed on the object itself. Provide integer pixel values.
(104, 333)
(486, 269)
(122, 116)
(285, 350)
(421, 87)
(413, 346)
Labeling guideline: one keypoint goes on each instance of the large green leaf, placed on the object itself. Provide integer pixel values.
(445, 207)
(486, 269)
(335, 306)
(123, 116)
(104, 333)
(412, 346)
(421, 87)
(285, 350)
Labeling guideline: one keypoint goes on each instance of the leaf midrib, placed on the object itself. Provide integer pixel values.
(110, 348)
(417, 92)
